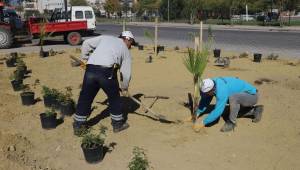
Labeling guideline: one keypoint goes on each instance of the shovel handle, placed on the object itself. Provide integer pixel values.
(143, 105)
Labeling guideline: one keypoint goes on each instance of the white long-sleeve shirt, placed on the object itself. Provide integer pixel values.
(107, 51)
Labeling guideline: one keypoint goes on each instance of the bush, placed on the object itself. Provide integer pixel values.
(91, 140)
(139, 160)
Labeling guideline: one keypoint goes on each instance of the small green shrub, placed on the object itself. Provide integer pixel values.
(49, 113)
(272, 57)
(243, 55)
(91, 140)
(139, 160)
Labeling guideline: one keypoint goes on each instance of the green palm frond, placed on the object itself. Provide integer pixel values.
(149, 34)
(196, 61)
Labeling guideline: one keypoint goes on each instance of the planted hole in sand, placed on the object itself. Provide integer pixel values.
(264, 81)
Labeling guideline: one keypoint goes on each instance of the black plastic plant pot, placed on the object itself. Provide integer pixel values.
(161, 48)
(19, 73)
(48, 101)
(93, 155)
(257, 57)
(67, 108)
(48, 121)
(141, 47)
(17, 84)
(10, 63)
(23, 69)
(56, 104)
(27, 98)
(44, 54)
(217, 53)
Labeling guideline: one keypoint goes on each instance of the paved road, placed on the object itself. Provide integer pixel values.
(286, 44)
(266, 42)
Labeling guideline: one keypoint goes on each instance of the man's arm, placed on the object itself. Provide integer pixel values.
(125, 70)
(88, 46)
(218, 110)
(204, 102)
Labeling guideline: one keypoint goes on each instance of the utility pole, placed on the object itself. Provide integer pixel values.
(66, 9)
(246, 12)
(168, 10)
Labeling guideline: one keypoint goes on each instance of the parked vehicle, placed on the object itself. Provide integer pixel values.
(76, 13)
(12, 29)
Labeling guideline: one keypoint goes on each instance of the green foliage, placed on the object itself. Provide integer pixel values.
(148, 34)
(66, 96)
(243, 55)
(196, 61)
(272, 57)
(139, 160)
(26, 88)
(78, 3)
(16, 75)
(43, 31)
(175, 9)
(46, 91)
(91, 140)
(112, 6)
(49, 113)
(210, 34)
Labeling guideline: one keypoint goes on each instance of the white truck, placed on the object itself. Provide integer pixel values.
(76, 13)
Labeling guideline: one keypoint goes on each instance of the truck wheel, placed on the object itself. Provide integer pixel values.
(5, 38)
(74, 38)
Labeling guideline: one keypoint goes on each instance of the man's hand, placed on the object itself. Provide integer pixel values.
(125, 93)
(198, 125)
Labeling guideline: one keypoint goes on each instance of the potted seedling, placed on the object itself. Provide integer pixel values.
(217, 53)
(243, 55)
(48, 119)
(257, 57)
(141, 47)
(196, 62)
(43, 35)
(48, 96)
(21, 66)
(11, 60)
(27, 96)
(151, 37)
(139, 160)
(67, 104)
(16, 81)
(92, 145)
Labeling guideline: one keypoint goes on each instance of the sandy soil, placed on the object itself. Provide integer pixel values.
(273, 143)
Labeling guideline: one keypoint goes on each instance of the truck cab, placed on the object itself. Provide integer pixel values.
(82, 13)
(76, 13)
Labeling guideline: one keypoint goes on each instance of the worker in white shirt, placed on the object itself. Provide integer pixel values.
(103, 54)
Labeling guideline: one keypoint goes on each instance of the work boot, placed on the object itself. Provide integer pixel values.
(80, 128)
(119, 126)
(257, 113)
(228, 126)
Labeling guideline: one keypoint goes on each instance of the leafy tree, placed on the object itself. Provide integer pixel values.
(78, 2)
(292, 5)
(112, 6)
(191, 8)
(149, 6)
(175, 8)
(195, 62)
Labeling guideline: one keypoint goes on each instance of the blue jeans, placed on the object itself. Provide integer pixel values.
(96, 78)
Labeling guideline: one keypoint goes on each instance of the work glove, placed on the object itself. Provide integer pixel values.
(125, 92)
(198, 112)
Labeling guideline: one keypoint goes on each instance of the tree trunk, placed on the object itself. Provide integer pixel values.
(196, 93)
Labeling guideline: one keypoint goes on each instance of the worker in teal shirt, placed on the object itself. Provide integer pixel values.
(238, 92)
